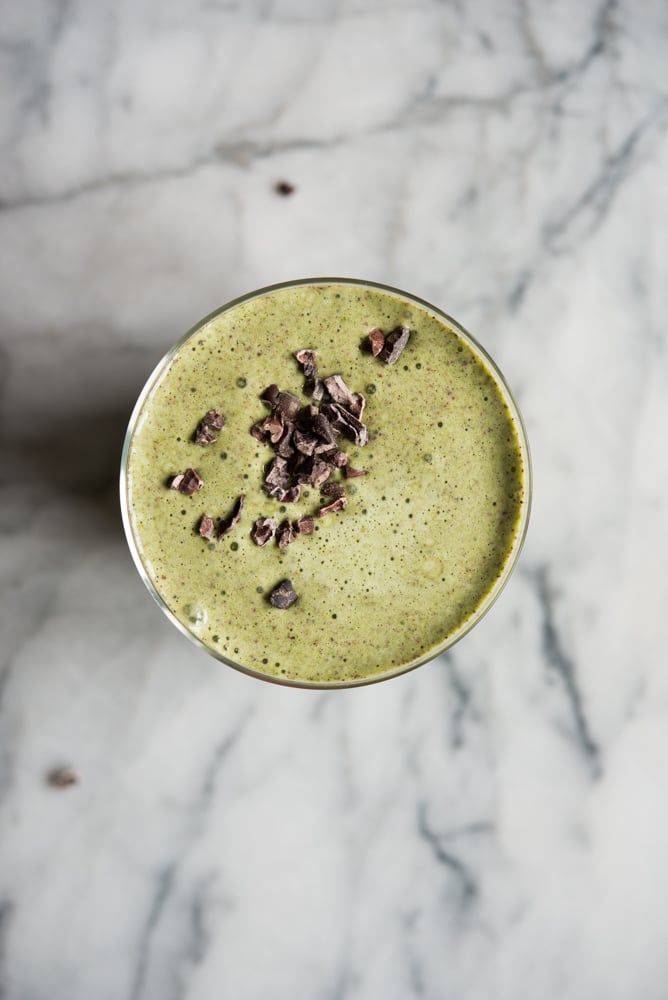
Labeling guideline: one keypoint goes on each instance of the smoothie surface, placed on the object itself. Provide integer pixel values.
(428, 532)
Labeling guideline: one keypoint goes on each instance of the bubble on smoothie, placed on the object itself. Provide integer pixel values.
(194, 613)
(432, 568)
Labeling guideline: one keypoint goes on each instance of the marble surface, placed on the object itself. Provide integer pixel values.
(494, 825)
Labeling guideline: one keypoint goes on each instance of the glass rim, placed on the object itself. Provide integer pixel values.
(513, 554)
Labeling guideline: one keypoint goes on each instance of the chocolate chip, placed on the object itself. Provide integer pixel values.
(206, 527)
(187, 482)
(283, 596)
(227, 524)
(376, 341)
(395, 342)
(333, 508)
(263, 531)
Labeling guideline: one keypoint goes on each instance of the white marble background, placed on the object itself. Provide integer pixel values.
(493, 826)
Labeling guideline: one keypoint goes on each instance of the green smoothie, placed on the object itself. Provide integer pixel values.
(427, 535)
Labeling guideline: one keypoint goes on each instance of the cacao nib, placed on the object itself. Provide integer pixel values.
(315, 388)
(320, 473)
(307, 356)
(263, 531)
(277, 474)
(304, 441)
(214, 420)
(270, 395)
(187, 482)
(324, 429)
(226, 525)
(206, 527)
(333, 508)
(338, 391)
(288, 405)
(305, 525)
(351, 473)
(285, 535)
(204, 436)
(285, 449)
(347, 423)
(283, 596)
(395, 342)
(333, 490)
(376, 340)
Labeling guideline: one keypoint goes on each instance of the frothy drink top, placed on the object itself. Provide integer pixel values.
(408, 555)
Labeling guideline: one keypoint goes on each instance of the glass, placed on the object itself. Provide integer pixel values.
(512, 555)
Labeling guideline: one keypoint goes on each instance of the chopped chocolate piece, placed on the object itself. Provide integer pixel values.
(333, 490)
(187, 482)
(292, 494)
(346, 422)
(395, 343)
(305, 525)
(324, 429)
(206, 527)
(285, 535)
(304, 441)
(288, 405)
(204, 435)
(64, 777)
(351, 473)
(376, 341)
(333, 508)
(226, 525)
(270, 395)
(264, 530)
(283, 596)
(214, 419)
